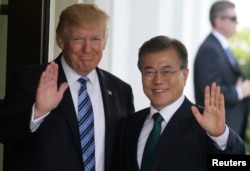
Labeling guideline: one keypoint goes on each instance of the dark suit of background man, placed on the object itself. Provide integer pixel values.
(38, 118)
(212, 64)
(187, 136)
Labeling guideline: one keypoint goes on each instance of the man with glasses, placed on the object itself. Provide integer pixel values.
(172, 134)
(215, 62)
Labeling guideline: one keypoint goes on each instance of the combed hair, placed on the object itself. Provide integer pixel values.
(161, 43)
(82, 15)
(218, 10)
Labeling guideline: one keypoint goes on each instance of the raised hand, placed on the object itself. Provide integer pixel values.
(213, 118)
(48, 95)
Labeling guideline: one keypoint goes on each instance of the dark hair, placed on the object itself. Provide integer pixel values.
(161, 43)
(218, 9)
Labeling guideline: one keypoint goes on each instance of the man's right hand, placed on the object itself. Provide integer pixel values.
(48, 96)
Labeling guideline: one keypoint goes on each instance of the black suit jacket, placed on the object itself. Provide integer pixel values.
(183, 144)
(55, 146)
(212, 65)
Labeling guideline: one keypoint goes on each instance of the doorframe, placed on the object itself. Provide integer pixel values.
(4, 9)
(45, 32)
(45, 22)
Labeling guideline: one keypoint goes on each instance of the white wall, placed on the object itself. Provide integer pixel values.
(135, 21)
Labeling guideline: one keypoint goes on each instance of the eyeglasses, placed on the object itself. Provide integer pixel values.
(151, 74)
(233, 18)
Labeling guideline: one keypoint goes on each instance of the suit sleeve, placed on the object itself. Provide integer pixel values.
(15, 110)
(235, 144)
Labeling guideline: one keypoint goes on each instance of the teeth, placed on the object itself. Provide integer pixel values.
(158, 90)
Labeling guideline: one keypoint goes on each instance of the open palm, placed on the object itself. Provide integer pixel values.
(48, 94)
(213, 118)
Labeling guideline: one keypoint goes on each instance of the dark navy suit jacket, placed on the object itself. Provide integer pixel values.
(55, 146)
(212, 65)
(183, 144)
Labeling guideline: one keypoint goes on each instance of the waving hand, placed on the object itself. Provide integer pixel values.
(48, 94)
(213, 118)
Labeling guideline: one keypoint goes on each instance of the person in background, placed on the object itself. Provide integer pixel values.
(39, 114)
(214, 62)
(174, 134)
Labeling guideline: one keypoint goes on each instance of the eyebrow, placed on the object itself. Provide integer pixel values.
(164, 67)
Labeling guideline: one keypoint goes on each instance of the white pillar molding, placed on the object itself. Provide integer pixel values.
(56, 8)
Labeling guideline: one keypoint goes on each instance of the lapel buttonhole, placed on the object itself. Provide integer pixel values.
(109, 92)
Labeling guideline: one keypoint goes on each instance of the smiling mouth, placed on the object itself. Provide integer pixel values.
(159, 90)
(86, 57)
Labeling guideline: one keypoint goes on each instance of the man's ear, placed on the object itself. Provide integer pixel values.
(60, 41)
(185, 74)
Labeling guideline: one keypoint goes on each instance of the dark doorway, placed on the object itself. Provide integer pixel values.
(28, 33)
(27, 30)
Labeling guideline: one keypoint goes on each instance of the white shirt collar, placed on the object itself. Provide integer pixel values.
(168, 111)
(73, 76)
(222, 39)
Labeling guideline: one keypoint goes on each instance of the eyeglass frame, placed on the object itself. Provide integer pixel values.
(166, 74)
(232, 18)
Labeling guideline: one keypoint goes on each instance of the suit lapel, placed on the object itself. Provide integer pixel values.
(108, 98)
(236, 67)
(68, 108)
(136, 123)
(111, 114)
(172, 132)
(110, 110)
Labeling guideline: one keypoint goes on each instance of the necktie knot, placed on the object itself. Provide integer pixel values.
(83, 80)
(157, 118)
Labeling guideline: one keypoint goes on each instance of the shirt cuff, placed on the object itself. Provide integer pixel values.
(239, 92)
(221, 141)
(35, 123)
